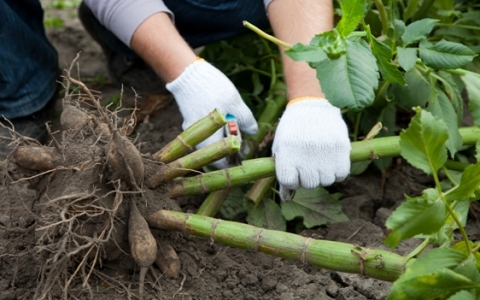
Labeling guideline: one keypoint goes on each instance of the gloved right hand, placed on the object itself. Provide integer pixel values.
(199, 90)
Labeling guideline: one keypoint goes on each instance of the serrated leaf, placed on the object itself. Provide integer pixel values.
(423, 143)
(417, 31)
(383, 53)
(407, 57)
(469, 184)
(350, 80)
(445, 54)
(316, 207)
(433, 276)
(352, 14)
(472, 84)
(422, 215)
(308, 53)
(442, 108)
(416, 92)
(462, 247)
(266, 215)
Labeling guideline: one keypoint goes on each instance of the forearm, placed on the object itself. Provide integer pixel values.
(298, 22)
(158, 42)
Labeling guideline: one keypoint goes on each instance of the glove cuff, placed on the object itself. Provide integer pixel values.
(304, 98)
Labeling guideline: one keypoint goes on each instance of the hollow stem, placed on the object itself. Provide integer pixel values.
(192, 136)
(194, 161)
(259, 189)
(324, 254)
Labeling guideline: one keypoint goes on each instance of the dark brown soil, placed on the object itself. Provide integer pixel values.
(208, 271)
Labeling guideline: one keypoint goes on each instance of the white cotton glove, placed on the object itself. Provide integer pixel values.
(199, 90)
(311, 146)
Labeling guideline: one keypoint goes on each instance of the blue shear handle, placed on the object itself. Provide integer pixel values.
(230, 117)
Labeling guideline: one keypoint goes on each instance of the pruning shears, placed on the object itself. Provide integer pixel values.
(231, 128)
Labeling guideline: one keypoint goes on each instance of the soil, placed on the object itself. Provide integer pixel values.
(208, 270)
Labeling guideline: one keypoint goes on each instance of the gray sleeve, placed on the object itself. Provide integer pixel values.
(123, 17)
(267, 2)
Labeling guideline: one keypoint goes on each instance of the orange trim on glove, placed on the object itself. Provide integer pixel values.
(304, 98)
(198, 59)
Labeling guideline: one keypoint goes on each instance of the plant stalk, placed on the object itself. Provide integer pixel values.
(266, 35)
(250, 170)
(190, 137)
(254, 169)
(341, 257)
(259, 189)
(383, 15)
(213, 202)
(194, 161)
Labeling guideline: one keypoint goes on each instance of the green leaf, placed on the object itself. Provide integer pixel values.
(452, 87)
(407, 57)
(417, 31)
(477, 151)
(233, 205)
(308, 53)
(445, 55)
(267, 215)
(358, 168)
(331, 42)
(442, 108)
(469, 184)
(435, 275)
(383, 53)
(423, 143)
(316, 207)
(472, 84)
(462, 295)
(422, 215)
(350, 80)
(352, 14)
(416, 92)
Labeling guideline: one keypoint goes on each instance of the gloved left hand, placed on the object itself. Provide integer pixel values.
(311, 146)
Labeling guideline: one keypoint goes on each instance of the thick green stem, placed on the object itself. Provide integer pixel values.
(192, 136)
(213, 202)
(250, 170)
(324, 254)
(264, 167)
(266, 35)
(194, 161)
(259, 189)
(422, 11)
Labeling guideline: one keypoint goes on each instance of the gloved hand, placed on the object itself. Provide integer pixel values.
(311, 146)
(199, 90)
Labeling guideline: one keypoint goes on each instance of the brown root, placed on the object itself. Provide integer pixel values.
(125, 160)
(36, 158)
(143, 245)
(167, 259)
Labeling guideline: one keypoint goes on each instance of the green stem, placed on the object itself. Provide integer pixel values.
(462, 72)
(213, 202)
(341, 257)
(264, 167)
(266, 35)
(357, 126)
(445, 171)
(259, 189)
(456, 165)
(192, 136)
(194, 161)
(383, 15)
(250, 170)
(419, 249)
